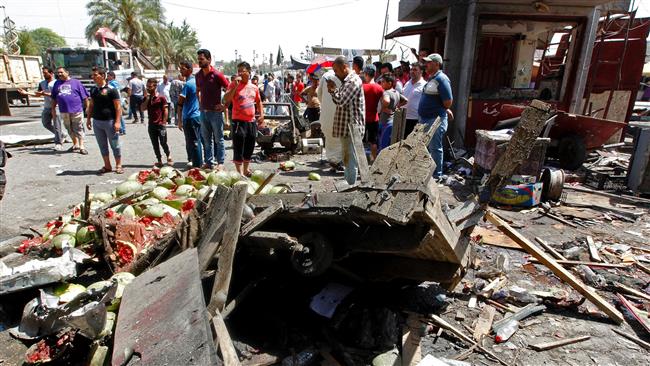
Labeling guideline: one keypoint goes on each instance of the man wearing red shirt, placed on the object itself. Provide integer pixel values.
(245, 99)
(372, 93)
(209, 83)
(296, 89)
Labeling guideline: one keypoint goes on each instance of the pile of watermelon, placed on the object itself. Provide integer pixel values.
(171, 195)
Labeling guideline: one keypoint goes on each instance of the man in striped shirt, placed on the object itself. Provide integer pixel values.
(350, 113)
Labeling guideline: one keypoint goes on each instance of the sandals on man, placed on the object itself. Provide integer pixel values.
(119, 170)
(73, 149)
(83, 151)
(103, 170)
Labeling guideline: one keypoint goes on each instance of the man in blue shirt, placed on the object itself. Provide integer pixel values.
(188, 116)
(435, 102)
(114, 84)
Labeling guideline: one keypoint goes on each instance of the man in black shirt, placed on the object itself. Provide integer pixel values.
(105, 110)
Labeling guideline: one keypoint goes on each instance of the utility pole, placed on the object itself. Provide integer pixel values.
(10, 34)
(383, 32)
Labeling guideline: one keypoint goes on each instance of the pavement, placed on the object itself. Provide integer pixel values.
(44, 184)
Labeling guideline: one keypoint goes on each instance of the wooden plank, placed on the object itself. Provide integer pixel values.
(555, 344)
(556, 268)
(464, 210)
(549, 248)
(266, 181)
(214, 219)
(261, 218)
(636, 313)
(228, 352)
(621, 287)
(484, 322)
(520, 145)
(593, 251)
(411, 337)
(159, 323)
(632, 338)
(453, 330)
(228, 246)
(567, 262)
(495, 238)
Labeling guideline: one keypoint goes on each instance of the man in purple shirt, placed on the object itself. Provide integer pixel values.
(209, 84)
(72, 98)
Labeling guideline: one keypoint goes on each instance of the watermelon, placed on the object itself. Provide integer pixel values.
(127, 187)
(258, 176)
(63, 240)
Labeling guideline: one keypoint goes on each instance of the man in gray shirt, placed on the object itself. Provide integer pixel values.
(45, 91)
(136, 96)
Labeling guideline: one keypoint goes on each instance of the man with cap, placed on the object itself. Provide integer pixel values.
(435, 102)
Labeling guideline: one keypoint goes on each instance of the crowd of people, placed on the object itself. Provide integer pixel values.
(359, 98)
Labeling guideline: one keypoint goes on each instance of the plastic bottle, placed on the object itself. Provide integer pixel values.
(506, 331)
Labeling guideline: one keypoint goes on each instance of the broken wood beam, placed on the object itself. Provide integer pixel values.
(593, 251)
(214, 219)
(621, 287)
(224, 342)
(270, 239)
(588, 264)
(85, 213)
(636, 313)
(484, 323)
(261, 218)
(555, 344)
(560, 219)
(549, 248)
(228, 246)
(266, 181)
(163, 318)
(520, 145)
(240, 297)
(555, 267)
(632, 338)
(453, 330)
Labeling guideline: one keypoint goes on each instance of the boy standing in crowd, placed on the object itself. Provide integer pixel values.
(157, 109)
(391, 100)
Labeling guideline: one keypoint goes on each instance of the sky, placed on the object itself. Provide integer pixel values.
(225, 27)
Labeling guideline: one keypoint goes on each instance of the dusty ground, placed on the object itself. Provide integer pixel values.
(44, 183)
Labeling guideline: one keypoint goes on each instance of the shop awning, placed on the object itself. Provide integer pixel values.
(412, 30)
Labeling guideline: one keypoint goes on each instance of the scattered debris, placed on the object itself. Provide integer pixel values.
(555, 344)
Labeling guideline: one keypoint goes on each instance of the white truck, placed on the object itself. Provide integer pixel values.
(112, 53)
(17, 71)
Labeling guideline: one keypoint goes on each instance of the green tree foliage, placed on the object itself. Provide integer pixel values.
(182, 45)
(141, 23)
(37, 41)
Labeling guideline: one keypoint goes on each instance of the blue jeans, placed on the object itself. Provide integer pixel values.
(192, 131)
(385, 133)
(105, 135)
(53, 126)
(349, 160)
(134, 107)
(122, 125)
(212, 133)
(435, 145)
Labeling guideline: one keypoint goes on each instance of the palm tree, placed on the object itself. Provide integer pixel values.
(139, 22)
(181, 44)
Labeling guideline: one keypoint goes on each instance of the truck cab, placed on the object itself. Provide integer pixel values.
(80, 61)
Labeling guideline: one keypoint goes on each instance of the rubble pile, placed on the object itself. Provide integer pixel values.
(210, 267)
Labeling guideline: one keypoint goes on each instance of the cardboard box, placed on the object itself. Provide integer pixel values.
(520, 195)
